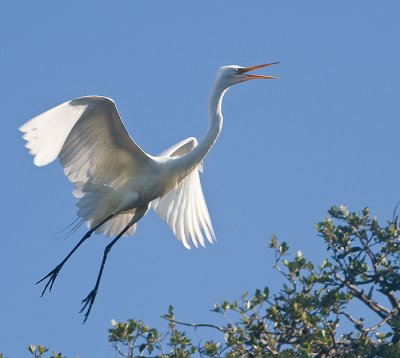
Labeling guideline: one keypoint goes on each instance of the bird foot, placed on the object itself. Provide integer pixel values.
(52, 275)
(88, 301)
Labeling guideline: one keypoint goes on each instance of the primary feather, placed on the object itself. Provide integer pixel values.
(184, 208)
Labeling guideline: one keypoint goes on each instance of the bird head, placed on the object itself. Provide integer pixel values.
(233, 74)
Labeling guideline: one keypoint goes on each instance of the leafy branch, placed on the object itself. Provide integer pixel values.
(309, 315)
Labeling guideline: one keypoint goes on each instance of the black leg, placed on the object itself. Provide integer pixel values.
(52, 275)
(89, 300)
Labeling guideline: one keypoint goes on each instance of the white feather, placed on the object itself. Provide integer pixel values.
(96, 151)
(116, 181)
(184, 208)
(99, 157)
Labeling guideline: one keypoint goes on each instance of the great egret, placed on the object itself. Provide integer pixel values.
(116, 182)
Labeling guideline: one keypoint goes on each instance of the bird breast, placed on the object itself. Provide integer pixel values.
(147, 185)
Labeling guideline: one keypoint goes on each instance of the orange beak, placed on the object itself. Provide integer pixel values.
(252, 68)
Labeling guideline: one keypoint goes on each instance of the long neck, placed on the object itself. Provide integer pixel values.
(189, 161)
(215, 123)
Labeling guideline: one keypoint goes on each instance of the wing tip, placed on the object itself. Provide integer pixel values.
(90, 99)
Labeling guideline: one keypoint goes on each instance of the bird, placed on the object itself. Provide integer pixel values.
(116, 182)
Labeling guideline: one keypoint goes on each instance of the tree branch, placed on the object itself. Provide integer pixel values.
(358, 323)
(393, 299)
(194, 325)
(380, 310)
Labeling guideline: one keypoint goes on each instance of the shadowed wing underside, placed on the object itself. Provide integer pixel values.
(184, 208)
(98, 156)
(96, 151)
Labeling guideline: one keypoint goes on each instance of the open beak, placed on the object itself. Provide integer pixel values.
(252, 68)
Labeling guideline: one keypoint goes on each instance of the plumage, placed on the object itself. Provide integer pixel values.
(100, 157)
(116, 182)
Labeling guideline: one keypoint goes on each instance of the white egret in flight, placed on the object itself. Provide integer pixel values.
(116, 182)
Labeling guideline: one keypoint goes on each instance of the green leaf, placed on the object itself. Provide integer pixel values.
(266, 292)
(283, 248)
(274, 242)
(42, 349)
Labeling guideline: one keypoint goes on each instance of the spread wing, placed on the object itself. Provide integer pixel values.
(88, 136)
(96, 151)
(184, 207)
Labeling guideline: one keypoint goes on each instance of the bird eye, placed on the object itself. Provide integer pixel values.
(239, 70)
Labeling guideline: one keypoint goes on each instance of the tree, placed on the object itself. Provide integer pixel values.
(311, 314)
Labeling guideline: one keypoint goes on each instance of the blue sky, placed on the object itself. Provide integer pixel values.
(325, 133)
